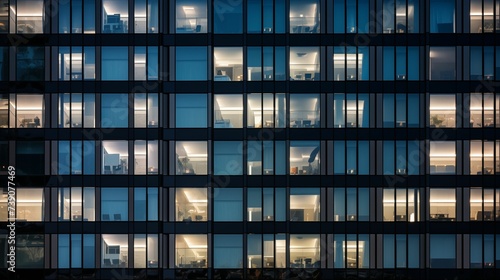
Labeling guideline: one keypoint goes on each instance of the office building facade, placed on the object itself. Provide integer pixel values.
(259, 139)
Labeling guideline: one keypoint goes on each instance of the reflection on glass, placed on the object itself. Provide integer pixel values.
(30, 63)
(191, 204)
(228, 17)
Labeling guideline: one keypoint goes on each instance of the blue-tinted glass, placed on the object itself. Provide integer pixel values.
(279, 65)
(76, 250)
(114, 110)
(89, 16)
(339, 204)
(413, 64)
(228, 251)
(401, 63)
(30, 63)
(388, 110)
(413, 158)
(63, 251)
(363, 250)
(188, 105)
(254, 63)
(88, 157)
(76, 16)
(476, 251)
(413, 251)
(364, 60)
(76, 157)
(339, 157)
(488, 250)
(114, 63)
(442, 251)
(64, 16)
(4, 65)
(228, 17)
(279, 16)
(267, 53)
(228, 204)
(363, 204)
(64, 158)
(280, 156)
(351, 26)
(114, 204)
(351, 203)
(363, 16)
(339, 16)
(401, 250)
(268, 16)
(338, 254)
(139, 204)
(254, 18)
(191, 16)
(401, 109)
(442, 16)
(188, 59)
(413, 18)
(401, 157)
(476, 63)
(280, 214)
(363, 110)
(88, 251)
(488, 70)
(152, 17)
(388, 157)
(363, 158)
(228, 158)
(152, 63)
(388, 63)
(413, 110)
(351, 157)
(152, 204)
(388, 251)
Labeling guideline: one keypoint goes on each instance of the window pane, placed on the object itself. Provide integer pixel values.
(228, 17)
(115, 17)
(304, 16)
(191, 204)
(114, 63)
(228, 158)
(228, 204)
(114, 110)
(442, 16)
(228, 251)
(114, 204)
(188, 105)
(189, 58)
(191, 16)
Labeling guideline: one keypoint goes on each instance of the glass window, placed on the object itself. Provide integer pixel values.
(76, 63)
(305, 251)
(442, 110)
(481, 157)
(191, 16)
(228, 64)
(29, 110)
(481, 16)
(228, 204)
(481, 204)
(350, 157)
(228, 251)
(349, 112)
(254, 63)
(76, 204)
(260, 157)
(351, 63)
(400, 16)
(30, 63)
(30, 157)
(67, 252)
(4, 155)
(30, 251)
(401, 205)
(4, 58)
(304, 204)
(146, 157)
(114, 63)
(30, 16)
(442, 63)
(260, 16)
(191, 204)
(442, 251)
(442, 16)
(76, 157)
(305, 110)
(114, 110)
(146, 16)
(304, 16)
(482, 113)
(304, 158)
(29, 204)
(145, 204)
(305, 64)
(481, 251)
(189, 58)
(228, 111)
(351, 16)
(114, 17)
(266, 110)
(191, 251)
(401, 250)
(260, 204)
(351, 251)
(188, 105)
(114, 250)
(442, 205)
(191, 157)
(4, 17)
(76, 110)
(146, 110)
(350, 204)
(146, 250)
(114, 204)
(228, 17)
(442, 157)
(145, 63)
(114, 157)
(77, 16)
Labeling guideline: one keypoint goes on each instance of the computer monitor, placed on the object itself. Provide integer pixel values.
(114, 18)
(308, 76)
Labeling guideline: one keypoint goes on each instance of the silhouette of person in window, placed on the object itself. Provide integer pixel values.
(37, 121)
